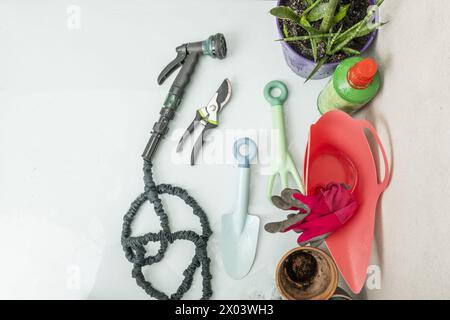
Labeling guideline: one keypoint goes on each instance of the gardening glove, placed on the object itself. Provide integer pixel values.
(316, 242)
(287, 202)
(275, 227)
(331, 207)
(292, 219)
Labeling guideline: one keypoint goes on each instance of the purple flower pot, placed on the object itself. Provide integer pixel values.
(304, 66)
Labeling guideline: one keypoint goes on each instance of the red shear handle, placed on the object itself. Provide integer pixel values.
(367, 125)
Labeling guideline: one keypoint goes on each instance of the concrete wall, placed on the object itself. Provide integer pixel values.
(412, 113)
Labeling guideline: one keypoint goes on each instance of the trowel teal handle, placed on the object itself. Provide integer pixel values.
(243, 196)
(243, 189)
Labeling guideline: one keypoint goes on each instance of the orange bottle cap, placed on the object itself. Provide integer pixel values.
(360, 76)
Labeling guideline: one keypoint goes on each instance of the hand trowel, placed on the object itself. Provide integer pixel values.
(239, 231)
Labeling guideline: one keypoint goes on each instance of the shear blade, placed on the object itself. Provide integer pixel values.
(198, 142)
(188, 132)
(223, 93)
(185, 136)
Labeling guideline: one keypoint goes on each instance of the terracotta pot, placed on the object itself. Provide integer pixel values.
(306, 273)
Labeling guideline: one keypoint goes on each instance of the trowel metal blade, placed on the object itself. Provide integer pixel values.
(239, 249)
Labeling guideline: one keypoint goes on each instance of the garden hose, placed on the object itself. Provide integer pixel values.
(134, 246)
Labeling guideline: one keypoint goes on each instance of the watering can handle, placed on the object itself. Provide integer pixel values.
(367, 125)
(281, 99)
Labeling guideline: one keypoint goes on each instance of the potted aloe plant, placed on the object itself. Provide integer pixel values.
(318, 34)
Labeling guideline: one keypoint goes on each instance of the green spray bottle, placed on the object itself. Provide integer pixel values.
(355, 82)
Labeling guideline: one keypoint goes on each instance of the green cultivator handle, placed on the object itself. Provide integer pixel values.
(282, 163)
(277, 101)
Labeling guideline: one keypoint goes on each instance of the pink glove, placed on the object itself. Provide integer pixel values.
(331, 207)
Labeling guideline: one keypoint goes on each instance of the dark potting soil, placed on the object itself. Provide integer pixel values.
(357, 12)
(301, 268)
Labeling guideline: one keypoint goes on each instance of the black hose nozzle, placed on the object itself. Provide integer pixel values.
(215, 46)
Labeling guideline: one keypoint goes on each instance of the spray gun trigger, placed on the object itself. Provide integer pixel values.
(174, 65)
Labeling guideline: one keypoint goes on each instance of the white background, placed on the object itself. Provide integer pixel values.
(76, 110)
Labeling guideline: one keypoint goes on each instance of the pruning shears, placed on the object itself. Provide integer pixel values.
(206, 118)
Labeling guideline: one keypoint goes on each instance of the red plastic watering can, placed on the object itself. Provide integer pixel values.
(338, 151)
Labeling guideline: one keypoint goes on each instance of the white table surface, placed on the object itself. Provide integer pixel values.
(76, 110)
